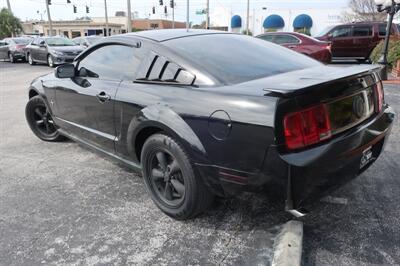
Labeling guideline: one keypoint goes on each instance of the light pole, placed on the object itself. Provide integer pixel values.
(187, 15)
(391, 7)
(208, 15)
(129, 16)
(106, 14)
(49, 17)
(9, 6)
(248, 17)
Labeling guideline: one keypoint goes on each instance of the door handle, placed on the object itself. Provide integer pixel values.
(103, 97)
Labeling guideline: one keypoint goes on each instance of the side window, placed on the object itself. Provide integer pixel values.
(285, 39)
(341, 32)
(269, 38)
(115, 62)
(362, 31)
(382, 29)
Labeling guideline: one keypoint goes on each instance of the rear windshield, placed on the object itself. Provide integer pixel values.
(59, 42)
(234, 58)
(22, 41)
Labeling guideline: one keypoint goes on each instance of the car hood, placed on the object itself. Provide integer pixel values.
(74, 48)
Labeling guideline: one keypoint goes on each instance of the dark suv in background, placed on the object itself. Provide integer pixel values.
(355, 40)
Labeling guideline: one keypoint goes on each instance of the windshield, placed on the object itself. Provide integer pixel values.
(22, 41)
(59, 42)
(235, 58)
(324, 31)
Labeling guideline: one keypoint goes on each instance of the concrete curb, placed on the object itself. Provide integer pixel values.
(288, 245)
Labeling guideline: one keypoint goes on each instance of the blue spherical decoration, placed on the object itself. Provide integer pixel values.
(236, 21)
(303, 21)
(274, 22)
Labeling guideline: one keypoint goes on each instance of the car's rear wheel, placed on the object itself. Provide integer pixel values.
(171, 180)
(11, 57)
(50, 61)
(30, 60)
(40, 120)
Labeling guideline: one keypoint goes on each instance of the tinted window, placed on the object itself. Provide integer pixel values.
(22, 41)
(236, 58)
(382, 29)
(116, 62)
(59, 42)
(282, 39)
(361, 31)
(35, 41)
(267, 37)
(341, 32)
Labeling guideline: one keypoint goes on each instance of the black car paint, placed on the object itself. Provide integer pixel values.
(232, 133)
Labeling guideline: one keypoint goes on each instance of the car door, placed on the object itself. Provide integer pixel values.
(42, 51)
(342, 42)
(85, 104)
(34, 49)
(363, 42)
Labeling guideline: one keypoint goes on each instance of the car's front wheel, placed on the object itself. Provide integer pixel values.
(11, 57)
(171, 180)
(40, 120)
(50, 61)
(30, 60)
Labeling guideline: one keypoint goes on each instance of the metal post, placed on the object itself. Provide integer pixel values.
(9, 6)
(187, 15)
(383, 59)
(49, 17)
(106, 14)
(129, 17)
(248, 17)
(173, 14)
(208, 15)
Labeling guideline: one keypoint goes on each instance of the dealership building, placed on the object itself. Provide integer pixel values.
(312, 20)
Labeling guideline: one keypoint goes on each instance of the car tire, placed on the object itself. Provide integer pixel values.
(171, 180)
(11, 57)
(30, 60)
(40, 120)
(50, 61)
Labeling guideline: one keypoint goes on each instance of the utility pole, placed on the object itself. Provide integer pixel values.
(248, 17)
(129, 17)
(173, 13)
(9, 6)
(208, 15)
(106, 13)
(187, 15)
(49, 17)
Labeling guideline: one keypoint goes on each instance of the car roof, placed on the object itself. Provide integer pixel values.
(168, 34)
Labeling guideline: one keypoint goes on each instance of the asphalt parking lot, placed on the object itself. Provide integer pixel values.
(61, 204)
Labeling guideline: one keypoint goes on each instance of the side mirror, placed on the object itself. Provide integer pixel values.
(65, 71)
(42, 44)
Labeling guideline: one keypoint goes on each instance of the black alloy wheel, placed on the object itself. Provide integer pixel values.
(40, 120)
(166, 178)
(171, 180)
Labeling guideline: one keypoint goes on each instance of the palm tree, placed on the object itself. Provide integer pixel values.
(9, 24)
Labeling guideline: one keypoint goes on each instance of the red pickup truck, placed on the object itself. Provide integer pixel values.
(355, 40)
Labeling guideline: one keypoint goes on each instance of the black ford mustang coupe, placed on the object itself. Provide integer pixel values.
(205, 113)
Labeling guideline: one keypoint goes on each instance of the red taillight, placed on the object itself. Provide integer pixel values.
(379, 96)
(307, 127)
(19, 46)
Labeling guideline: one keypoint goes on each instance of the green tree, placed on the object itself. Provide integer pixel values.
(9, 24)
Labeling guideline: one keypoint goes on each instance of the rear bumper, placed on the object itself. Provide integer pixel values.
(304, 176)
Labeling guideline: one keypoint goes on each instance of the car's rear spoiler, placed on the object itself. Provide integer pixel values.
(297, 82)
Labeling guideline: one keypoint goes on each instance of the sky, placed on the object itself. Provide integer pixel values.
(33, 9)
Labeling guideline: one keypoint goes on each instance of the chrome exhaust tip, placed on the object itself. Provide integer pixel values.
(298, 212)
